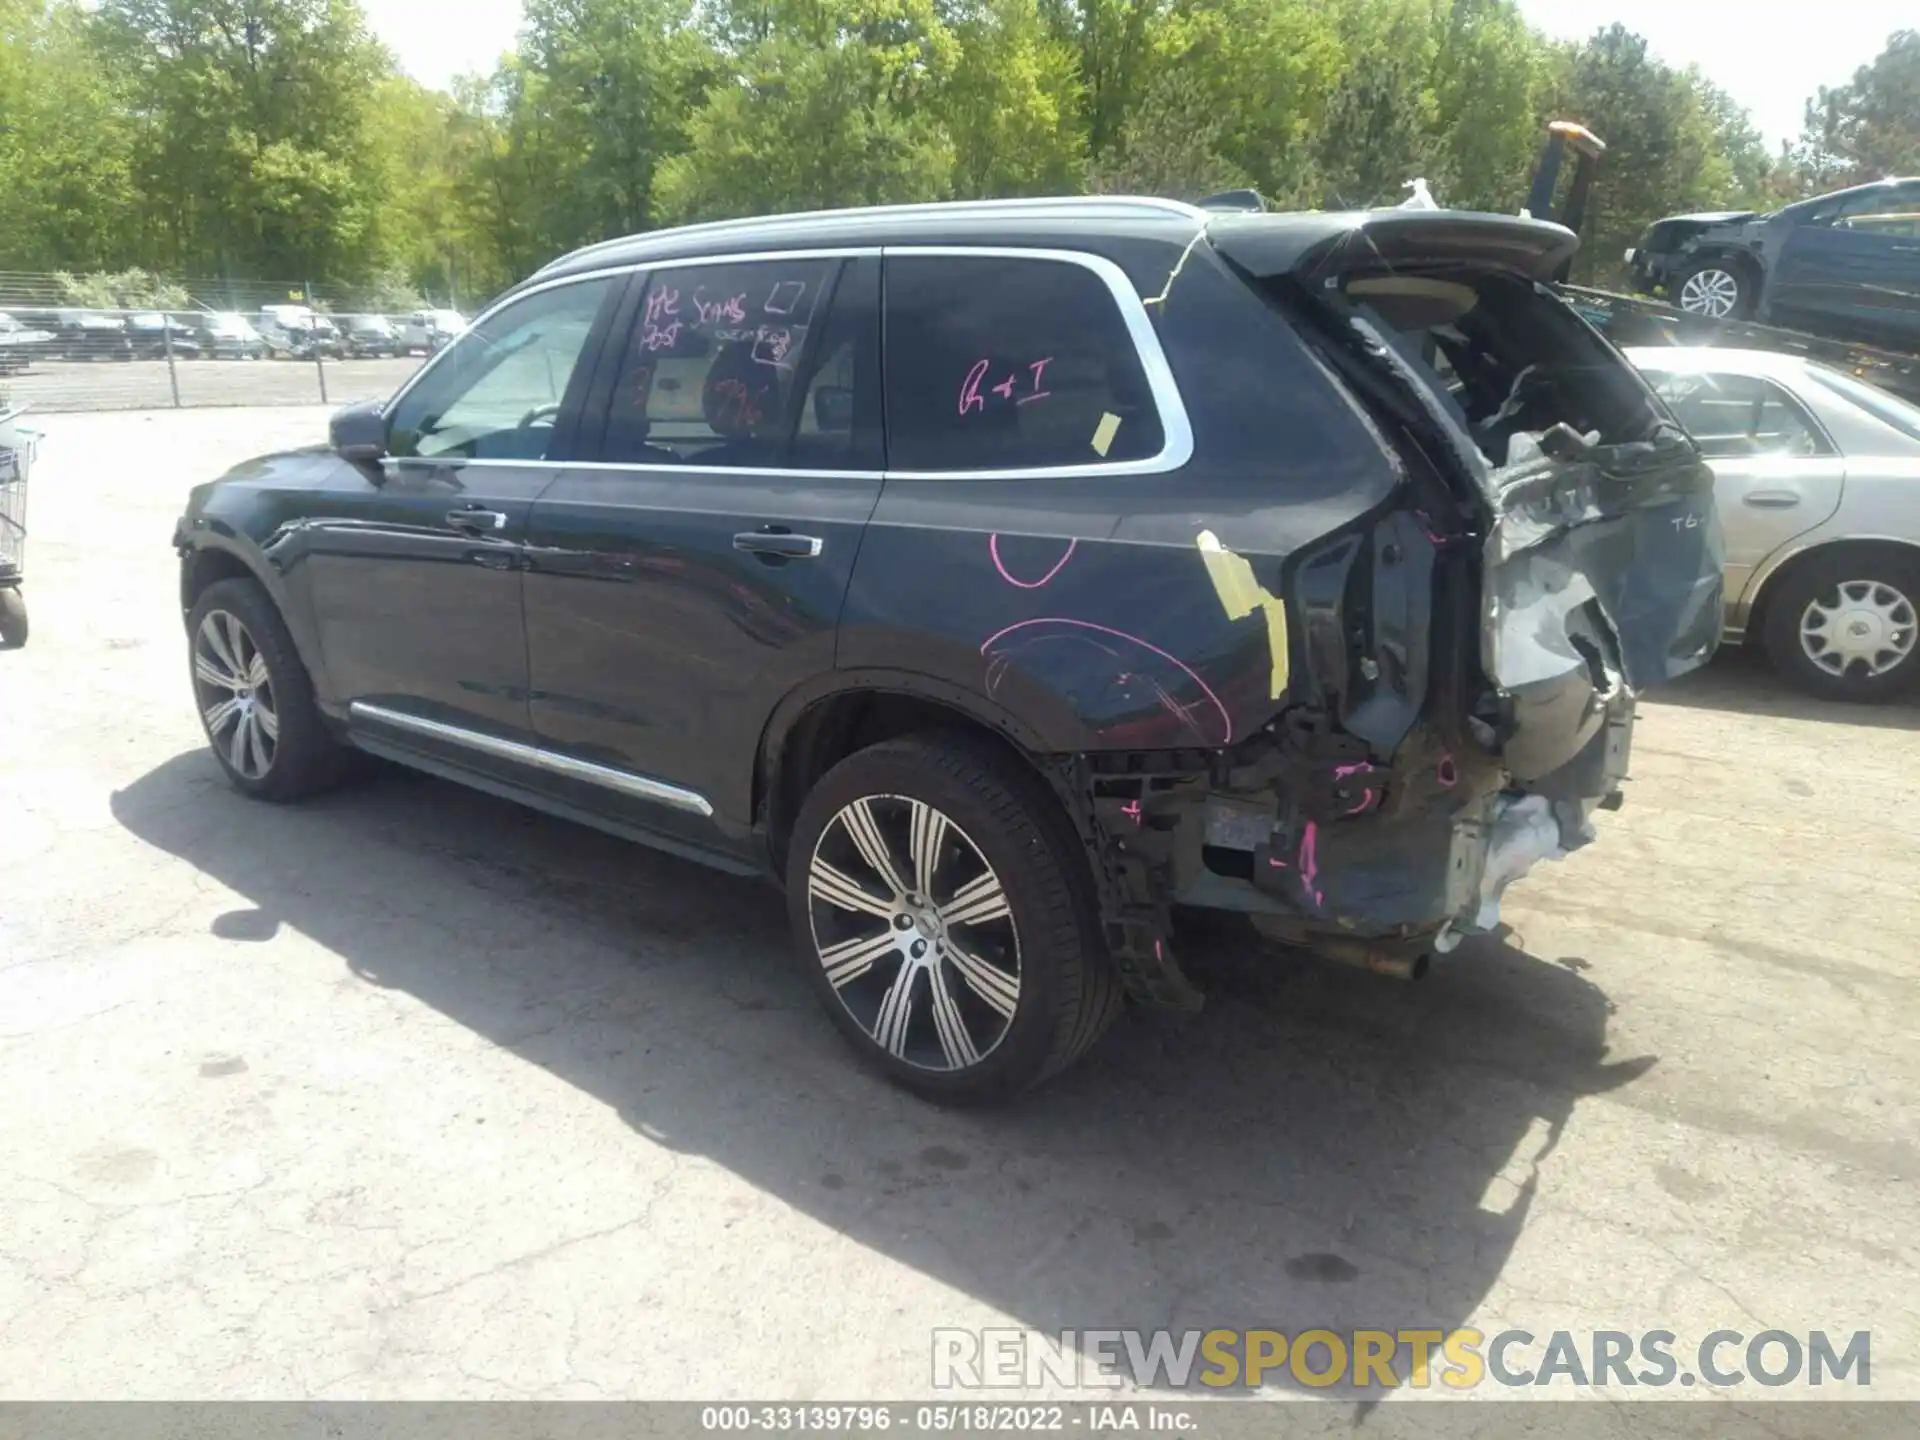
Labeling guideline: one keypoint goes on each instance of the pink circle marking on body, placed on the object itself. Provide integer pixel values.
(993, 548)
(1226, 720)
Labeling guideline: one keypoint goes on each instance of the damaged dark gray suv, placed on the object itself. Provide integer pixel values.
(1000, 577)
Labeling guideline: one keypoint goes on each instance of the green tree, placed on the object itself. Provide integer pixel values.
(1263, 70)
(1491, 73)
(835, 106)
(616, 82)
(1013, 105)
(250, 146)
(1171, 145)
(1376, 129)
(67, 196)
(127, 290)
(1869, 128)
(1114, 44)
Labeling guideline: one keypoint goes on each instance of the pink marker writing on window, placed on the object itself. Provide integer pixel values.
(970, 396)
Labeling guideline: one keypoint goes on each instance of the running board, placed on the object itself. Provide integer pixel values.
(625, 782)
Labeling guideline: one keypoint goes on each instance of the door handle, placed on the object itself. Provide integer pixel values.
(779, 542)
(1772, 499)
(477, 521)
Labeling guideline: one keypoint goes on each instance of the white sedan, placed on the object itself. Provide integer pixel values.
(1818, 489)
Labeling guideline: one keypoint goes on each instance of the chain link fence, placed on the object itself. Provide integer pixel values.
(285, 348)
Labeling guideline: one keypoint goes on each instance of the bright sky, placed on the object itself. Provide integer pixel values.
(1770, 59)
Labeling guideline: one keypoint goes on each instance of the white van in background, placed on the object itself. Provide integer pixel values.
(428, 330)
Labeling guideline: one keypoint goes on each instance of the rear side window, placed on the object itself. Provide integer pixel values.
(1738, 416)
(711, 374)
(1003, 363)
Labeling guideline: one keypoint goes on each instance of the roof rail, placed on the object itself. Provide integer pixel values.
(1126, 204)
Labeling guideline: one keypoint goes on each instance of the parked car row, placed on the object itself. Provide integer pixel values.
(293, 332)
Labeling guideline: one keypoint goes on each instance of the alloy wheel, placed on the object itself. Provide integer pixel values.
(914, 932)
(1859, 622)
(1712, 292)
(235, 694)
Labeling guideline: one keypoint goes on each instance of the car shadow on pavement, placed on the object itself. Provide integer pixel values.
(1318, 1148)
(1741, 681)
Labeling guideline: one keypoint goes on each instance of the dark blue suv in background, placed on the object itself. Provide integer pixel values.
(1844, 266)
(997, 577)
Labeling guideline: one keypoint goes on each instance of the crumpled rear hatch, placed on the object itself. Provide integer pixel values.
(1593, 510)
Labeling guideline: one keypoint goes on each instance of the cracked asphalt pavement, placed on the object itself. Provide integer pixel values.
(410, 1093)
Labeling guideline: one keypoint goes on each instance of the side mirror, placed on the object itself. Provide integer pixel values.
(359, 432)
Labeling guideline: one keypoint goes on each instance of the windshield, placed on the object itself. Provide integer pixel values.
(1887, 409)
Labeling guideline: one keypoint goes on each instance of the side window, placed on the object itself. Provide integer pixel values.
(1892, 211)
(1738, 416)
(720, 365)
(496, 392)
(996, 363)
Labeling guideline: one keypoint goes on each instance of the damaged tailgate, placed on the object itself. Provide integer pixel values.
(1584, 511)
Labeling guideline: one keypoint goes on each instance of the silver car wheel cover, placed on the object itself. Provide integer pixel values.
(1712, 292)
(1867, 623)
(234, 691)
(914, 932)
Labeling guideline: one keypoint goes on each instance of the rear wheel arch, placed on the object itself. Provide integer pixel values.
(1775, 580)
(813, 730)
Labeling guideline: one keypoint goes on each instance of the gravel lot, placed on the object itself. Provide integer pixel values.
(408, 1092)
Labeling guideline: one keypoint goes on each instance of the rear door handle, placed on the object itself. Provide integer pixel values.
(476, 521)
(779, 542)
(1772, 499)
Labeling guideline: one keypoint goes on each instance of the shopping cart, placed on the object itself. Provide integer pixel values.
(17, 444)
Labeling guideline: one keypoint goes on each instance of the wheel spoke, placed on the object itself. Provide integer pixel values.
(257, 675)
(992, 984)
(978, 901)
(836, 887)
(217, 642)
(268, 721)
(926, 837)
(849, 960)
(257, 755)
(858, 818)
(217, 716)
(896, 1013)
(237, 743)
(208, 672)
(237, 642)
(949, 1024)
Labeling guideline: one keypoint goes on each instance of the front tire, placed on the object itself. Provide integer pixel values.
(944, 914)
(1715, 290)
(1843, 626)
(13, 619)
(255, 698)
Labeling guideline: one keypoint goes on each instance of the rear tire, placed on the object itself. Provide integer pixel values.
(1842, 626)
(967, 965)
(255, 697)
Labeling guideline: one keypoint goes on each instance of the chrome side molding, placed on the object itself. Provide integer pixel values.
(551, 761)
